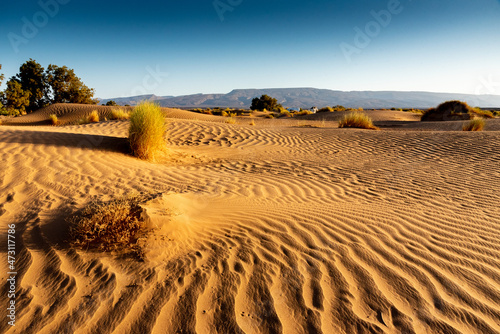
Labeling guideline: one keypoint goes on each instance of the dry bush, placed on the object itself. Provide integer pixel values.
(231, 120)
(109, 226)
(147, 131)
(357, 120)
(252, 122)
(118, 114)
(474, 125)
(82, 121)
(94, 117)
(484, 113)
(303, 112)
(53, 119)
(326, 109)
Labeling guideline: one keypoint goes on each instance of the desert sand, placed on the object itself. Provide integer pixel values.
(287, 226)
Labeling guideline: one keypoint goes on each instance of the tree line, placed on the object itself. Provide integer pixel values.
(35, 87)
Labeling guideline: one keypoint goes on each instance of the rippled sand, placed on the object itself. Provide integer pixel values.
(280, 227)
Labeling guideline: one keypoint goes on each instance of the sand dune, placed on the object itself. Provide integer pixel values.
(273, 228)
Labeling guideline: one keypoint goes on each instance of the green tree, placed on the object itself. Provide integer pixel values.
(66, 87)
(111, 103)
(265, 102)
(15, 98)
(32, 78)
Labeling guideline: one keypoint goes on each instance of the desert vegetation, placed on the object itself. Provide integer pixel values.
(265, 102)
(94, 117)
(35, 87)
(53, 119)
(455, 110)
(474, 125)
(109, 226)
(118, 114)
(338, 108)
(357, 120)
(147, 131)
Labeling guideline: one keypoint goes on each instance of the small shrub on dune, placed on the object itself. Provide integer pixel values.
(326, 109)
(118, 114)
(53, 119)
(147, 131)
(252, 123)
(94, 117)
(357, 120)
(108, 226)
(474, 125)
(231, 120)
(304, 112)
(484, 113)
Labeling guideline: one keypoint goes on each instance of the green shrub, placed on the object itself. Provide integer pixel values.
(357, 120)
(147, 131)
(474, 125)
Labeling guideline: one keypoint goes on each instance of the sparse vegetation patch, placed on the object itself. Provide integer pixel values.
(357, 120)
(474, 125)
(109, 226)
(53, 119)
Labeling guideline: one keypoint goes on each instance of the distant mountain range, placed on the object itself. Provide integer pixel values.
(309, 97)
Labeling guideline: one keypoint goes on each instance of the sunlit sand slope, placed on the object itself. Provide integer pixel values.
(273, 229)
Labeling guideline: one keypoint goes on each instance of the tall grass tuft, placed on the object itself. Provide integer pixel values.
(357, 120)
(53, 119)
(117, 114)
(94, 117)
(147, 131)
(474, 125)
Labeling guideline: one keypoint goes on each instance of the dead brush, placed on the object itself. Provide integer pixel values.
(109, 226)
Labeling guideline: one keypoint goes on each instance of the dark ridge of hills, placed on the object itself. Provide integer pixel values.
(308, 97)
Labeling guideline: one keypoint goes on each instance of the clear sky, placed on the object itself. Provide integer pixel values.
(124, 48)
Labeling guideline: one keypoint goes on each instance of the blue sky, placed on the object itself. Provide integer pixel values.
(204, 46)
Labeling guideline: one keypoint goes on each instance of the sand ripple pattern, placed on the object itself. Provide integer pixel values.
(279, 230)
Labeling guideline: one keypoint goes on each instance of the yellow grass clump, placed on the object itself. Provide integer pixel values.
(94, 117)
(474, 125)
(117, 114)
(53, 119)
(357, 120)
(147, 131)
